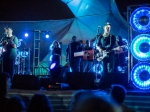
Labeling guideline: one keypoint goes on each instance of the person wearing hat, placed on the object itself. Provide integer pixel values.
(9, 43)
(105, 44)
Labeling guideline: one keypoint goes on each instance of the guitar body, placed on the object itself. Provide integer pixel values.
(104, 54)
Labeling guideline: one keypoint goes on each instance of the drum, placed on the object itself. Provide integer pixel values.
(24, 54)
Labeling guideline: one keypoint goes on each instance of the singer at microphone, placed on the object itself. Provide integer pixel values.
(9, 43)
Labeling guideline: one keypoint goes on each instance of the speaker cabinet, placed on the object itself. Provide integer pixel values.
(26, 82)
(80, 80)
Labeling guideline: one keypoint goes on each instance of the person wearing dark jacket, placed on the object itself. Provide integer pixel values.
(72, 48)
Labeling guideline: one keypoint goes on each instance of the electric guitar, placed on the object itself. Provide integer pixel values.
(104, 53)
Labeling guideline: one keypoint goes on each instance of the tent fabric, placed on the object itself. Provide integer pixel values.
(90, 17)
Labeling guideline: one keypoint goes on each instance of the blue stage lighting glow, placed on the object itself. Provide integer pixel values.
(140, 75)
(52, 65)
(47, 36)
(140, 47)
(70, 69)
(140, 19)
(98, 68)
(26, 34)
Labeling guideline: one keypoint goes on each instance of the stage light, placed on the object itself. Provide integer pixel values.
(140, 20)
(47, 35)
(140, 47)
(140, 75)
(98, 68)
(26, 34)
(52, 65)
(70, 69)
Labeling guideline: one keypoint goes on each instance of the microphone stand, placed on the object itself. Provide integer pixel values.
(60, 43)
(97, 35)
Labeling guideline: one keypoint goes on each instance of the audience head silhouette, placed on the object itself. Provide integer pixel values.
(5, 83)
(40, 103)
(118, 93)
(15, 104)
(90, 101)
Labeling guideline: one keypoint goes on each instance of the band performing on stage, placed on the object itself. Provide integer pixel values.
(103, 55)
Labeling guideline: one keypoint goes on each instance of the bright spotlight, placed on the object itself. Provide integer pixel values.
(140, 75)
(47, 36)
(26, 34)
(52, 65)
(140, 47)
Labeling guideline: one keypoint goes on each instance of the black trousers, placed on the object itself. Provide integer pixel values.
(8, 66)
(108, 69)
(75, 64)
(109, 63)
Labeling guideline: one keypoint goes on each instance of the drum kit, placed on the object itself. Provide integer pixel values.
(21, 59)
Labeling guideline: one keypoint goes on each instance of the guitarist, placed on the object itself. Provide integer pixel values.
(106, 42)
(9, 43)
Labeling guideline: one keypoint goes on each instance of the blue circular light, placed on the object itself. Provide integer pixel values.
(140, 75)
(140, 47)
(140, 19)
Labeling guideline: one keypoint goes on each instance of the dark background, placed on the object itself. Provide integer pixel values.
(31, 10)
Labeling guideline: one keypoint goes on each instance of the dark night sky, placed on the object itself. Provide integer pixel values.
(30, 10)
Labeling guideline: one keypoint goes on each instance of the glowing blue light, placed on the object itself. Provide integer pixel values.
(50, 58)
(47, 36)
(52, 65)
(140, 20)
(140, 75)
(140, 47)
(70, 69)
(98, 68)
(26, 34)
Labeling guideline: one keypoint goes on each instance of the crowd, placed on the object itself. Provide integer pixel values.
(81, 101)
